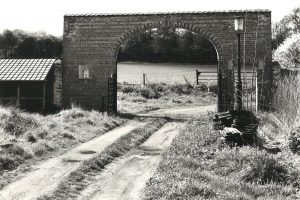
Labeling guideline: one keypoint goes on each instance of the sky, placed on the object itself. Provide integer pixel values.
(47, 15)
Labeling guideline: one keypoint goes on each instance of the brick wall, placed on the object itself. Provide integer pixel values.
(94, 40)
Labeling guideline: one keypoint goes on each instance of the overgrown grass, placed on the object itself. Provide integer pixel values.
(287, 99)
(199, 165)
(26, 137)
(135, 98)
(286, 102)
(80, 179)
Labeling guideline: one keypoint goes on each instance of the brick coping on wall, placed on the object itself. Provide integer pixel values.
(167, 13)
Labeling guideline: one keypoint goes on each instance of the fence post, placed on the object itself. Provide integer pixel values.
(197, 76)
(144, 79)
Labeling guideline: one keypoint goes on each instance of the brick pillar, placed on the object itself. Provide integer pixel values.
(57, 83)
(230, 85)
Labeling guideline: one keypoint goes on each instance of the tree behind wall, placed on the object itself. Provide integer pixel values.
(168, 44)
(288, 26)
(19, 44)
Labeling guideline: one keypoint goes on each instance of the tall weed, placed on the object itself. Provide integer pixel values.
(286, 99)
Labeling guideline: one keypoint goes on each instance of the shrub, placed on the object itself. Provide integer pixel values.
(203, 87)
(149, 93)
(213, 88)
(294, 140)
(266, 169)
(17, 124)
(128, 89)
(12, 156)
(7, 162)
(181, 89)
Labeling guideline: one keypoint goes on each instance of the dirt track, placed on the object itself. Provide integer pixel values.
(45, 178)
(123, 179)
(126, 178)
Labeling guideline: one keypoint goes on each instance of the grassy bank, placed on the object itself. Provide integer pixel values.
(199, 165)
(137, 98)
(27, 138)
(80, 179)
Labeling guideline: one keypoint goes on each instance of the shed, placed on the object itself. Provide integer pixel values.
(30, 84)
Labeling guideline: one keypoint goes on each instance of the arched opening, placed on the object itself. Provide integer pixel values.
(166, 65)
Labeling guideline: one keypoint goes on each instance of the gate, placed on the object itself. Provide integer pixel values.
(112, 94)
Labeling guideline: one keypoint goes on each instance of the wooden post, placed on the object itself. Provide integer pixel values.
(44, 96)
(144, 79)
(197, 75)
(18, 96)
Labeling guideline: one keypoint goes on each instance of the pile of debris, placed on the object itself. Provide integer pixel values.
(238, 127)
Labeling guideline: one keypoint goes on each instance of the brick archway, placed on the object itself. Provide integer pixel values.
(91, 43)
(206, 34)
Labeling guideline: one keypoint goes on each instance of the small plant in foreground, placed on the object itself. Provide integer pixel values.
(294, 140)
(266, 169)
(17, 123)
(149, 93)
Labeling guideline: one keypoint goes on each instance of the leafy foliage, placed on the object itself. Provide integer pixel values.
(286, 27)
(20, 44)
(288, 54)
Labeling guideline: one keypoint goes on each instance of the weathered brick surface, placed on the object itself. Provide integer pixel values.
(57, 83)
(94, 40)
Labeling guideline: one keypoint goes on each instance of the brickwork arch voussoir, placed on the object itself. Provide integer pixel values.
(204, 33)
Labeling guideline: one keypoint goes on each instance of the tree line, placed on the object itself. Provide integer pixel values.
(286, 40)
(20, 44)
(167, 44)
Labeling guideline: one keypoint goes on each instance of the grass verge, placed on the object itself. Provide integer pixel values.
(79, 180)
(199, 165)
(28, 138)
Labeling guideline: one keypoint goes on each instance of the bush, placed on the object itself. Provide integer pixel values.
(203, 87)
(128, 89)
(294, 140)
(213, 88)
(182, 89)
(7, 162)
(17, 124)
(149, 93)
(266, 169)
(12, 156)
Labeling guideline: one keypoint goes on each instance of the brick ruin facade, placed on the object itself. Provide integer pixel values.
(91, 44)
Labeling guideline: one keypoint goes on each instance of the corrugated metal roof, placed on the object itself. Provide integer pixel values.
(166, 13)
(25, 69)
